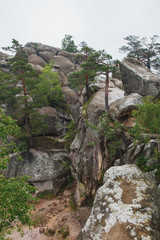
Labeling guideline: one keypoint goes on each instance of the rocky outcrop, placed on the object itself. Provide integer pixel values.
(124, 106)
(136, 151)
(36, 60)
(48, 169)
(73, 101)
(139, 79)
(125, 207)
(53, 124)
(65, 65)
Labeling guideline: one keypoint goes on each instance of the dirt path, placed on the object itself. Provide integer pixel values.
(55, 219)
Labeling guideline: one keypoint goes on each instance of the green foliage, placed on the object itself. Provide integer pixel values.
(68, 44)
(147, 116)
(63, 232)
(15, 193)
(71, 133)
(109, 131)
(8, 129)
(49, 90)
(72, 204)
(145, 50)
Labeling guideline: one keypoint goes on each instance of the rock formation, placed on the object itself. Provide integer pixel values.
(125, 207)
(139, 79)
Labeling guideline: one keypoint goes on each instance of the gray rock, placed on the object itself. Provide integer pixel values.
(47, 56)
(96, 107)
(138, 79)
(124, 207)
(124, 106)
(73, 57)
(29, 50)
(52, 120)
(65, 65)
(45, 169)
(73, 100)
(36, 60)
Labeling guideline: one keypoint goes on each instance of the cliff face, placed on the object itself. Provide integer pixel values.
(139, 79)
(126, 206)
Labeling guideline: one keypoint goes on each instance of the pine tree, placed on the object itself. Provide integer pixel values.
(146, 50)
(68, 44)
(20, 85)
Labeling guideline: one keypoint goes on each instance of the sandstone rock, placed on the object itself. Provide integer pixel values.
(138, 79)
(36, 60)
(62, 78)
(73, 100)
(87, 164)
(39, 47)
(66, 66)
(124, 106)
(73, 57)
(45, 169)
(47, 56)
(51, 119)
(124, 207)
(96, 107)
(135, 150)
(29, 50)
(117, 83)
(38, 68)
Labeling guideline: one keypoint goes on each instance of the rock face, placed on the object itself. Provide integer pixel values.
(65, 65)
(124, 106)
(139, 79)
(51, 119)
(47, 169)
(124, 207)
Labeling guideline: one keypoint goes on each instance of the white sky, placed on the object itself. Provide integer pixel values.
(101, 23)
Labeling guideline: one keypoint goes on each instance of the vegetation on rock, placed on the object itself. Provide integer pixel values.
(15, 193)
(68, 44)
(145, 50)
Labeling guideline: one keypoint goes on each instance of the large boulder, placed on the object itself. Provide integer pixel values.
(73, 101)
(65, 65)
(36, 60)
(51, 119)
(96, 107)
(47, 169)
(47, 56)
(73, 57)
(139, 79)
(124, 106)
(125, 207)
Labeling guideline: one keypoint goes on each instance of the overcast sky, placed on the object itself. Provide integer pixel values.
(101, 23)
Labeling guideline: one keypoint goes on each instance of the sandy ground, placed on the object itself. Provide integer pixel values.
(54, 219)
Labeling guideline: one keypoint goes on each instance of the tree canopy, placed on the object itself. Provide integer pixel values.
(68, 44)
(146, 50)
(15, 193)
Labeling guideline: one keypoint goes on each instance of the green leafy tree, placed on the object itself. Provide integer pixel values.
(15, 193)
(49, 91)
(147, 116)
(68, 44)
(146, 50)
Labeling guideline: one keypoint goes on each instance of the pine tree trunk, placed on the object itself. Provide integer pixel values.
(106, 92)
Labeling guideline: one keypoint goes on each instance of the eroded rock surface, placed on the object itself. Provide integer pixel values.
(47, 170)
(139, 79)
(124, 207)
(124, 106)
